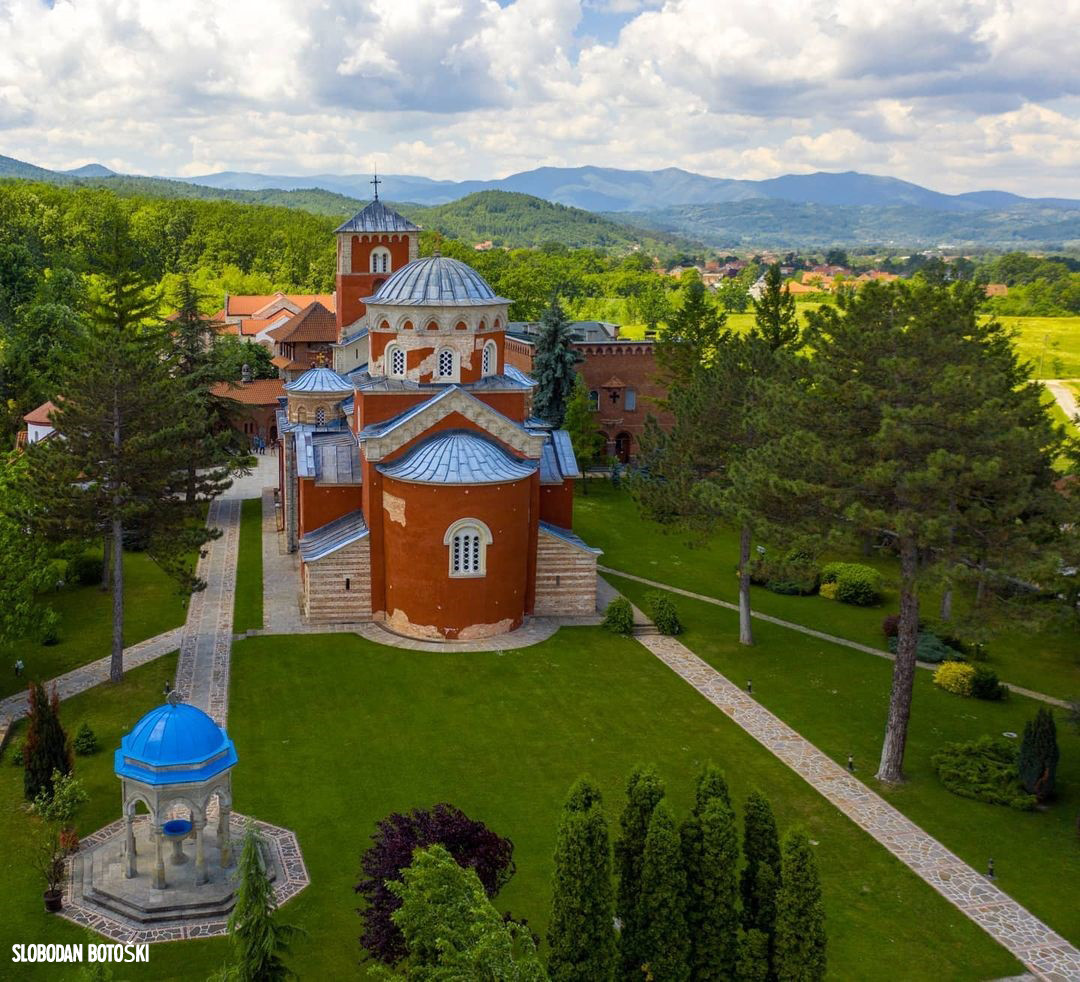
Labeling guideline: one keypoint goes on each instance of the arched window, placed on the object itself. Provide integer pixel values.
(490, 360)
(446, 363)
(395, 359)
(380, 260)
(320, 416)
(468, 539)
(594, 399)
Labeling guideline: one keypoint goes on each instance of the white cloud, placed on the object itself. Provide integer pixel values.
(955, 94)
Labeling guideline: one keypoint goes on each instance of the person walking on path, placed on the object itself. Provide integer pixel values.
(19, 667)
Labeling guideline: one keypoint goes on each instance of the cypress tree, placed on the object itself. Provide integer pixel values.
(1039, 755)
(775, 320)
(554, 365)
(582, 932)
(799, 952)
(46, 749)
(662, 910)
(753, 965)
(644, 790)
(761, 874)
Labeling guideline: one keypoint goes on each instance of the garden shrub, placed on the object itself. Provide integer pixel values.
(86, 742)
(956, 677)
(15, 752)
(983, 769)
(1039, 755)
(855, 583)
(796, 574)
(49, 628)
(985, 685)
(84, 570)
(619, 617)
(890, 626)
(828, 591)
(929, 648)
(664, 614)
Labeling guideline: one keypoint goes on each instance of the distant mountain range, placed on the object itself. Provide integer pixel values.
(796, 210)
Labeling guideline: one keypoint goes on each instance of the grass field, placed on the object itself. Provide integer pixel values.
(248, 602)
(838, 699)
(1047, 661)
(334, 732)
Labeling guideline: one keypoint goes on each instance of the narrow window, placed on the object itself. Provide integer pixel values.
(594, 399)
(491, 355)
(397, 361)
(446, 363)
(468, 540)
(320, 416)
(631, 399)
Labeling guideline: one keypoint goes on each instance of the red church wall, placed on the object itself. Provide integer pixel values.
(375, 407)
(557, 504)
(363, 244)
(319, 505)
(422, 598)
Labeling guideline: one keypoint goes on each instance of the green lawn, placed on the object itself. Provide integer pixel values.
(1051, 344)
(152, 605)
(248, 603)
(1046, 662)
(334, 732)
(838, 699)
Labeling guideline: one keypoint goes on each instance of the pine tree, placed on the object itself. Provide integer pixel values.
(799, 951)
(775, 319)
(665, 939)
(761, 874)
(125, 428)
(692, 334)
(582, 933)
(258, 940)
(644, 790)
(46, 750)
(1039, 755)
(553, 365)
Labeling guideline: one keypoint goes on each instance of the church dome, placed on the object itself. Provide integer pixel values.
(174, 744)
(436, 281)
(458, 457)
(319, 380)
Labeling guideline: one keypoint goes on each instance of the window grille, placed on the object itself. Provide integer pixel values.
(397, 361)
(446, 363)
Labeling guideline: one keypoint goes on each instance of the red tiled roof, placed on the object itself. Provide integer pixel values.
(40, 416)
(260, 392)
(313, 323)
(247, 306)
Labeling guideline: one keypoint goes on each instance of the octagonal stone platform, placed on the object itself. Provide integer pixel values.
(130, 911)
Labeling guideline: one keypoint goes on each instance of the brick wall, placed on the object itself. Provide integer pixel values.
(326, 601)
(565, 578)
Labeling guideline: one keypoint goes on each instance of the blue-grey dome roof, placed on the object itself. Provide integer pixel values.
(320, 380)
(174, 744)
(436, 281)
(458, 457)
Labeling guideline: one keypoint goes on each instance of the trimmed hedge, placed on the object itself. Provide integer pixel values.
(856, 584)
(985, 770)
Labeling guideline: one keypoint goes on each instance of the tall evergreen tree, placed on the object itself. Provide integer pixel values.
(644, 790)
(259, 942)
(662, 907)
(580, 423)
(1039, 755)
(799, 953)
(46, 751)
(124, 430)
(690, 339)
(582, 933)
(753, 964)
(554, 364)
(761, 874)
(775, 319)
(710, 850)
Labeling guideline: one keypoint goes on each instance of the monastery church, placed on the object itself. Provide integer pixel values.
(414, 483)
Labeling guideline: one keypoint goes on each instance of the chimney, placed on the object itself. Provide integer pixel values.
(245, 374)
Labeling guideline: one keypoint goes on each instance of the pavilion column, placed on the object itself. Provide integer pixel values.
(200, 855)
(159, 858)
(224, 841)
(129, 846)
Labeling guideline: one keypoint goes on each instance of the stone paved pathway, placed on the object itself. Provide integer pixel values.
(802, 629)
(1063, 393)
(1043, 952)
(202, 674)
(281, 576)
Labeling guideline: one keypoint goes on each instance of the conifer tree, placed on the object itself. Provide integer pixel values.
(644, 790)
(799, 948)
(46, 750)
(761, 874)
(1039, 755)
(580, 423)
(753, 964)
(582, 933)
(553, 365)
(692, 334)
(124, 427)
(775, 319)
(665, 939)
(259, 942)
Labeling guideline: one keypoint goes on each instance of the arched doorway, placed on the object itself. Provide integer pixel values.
(622, 446)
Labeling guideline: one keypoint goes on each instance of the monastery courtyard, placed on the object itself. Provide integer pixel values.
(334, 728)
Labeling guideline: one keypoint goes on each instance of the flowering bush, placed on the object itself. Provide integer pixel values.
(828, 590)
(956, 677)
(855, 584)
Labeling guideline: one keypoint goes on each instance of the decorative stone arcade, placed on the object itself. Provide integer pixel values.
(176, 756)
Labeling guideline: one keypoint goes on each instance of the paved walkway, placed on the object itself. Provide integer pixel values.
(263, 474)
(1063, 392)
(1043, 952)
(821, 635)
(281, 575)
(202, 674)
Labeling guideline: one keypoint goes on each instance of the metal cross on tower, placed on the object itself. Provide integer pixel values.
(376, 182)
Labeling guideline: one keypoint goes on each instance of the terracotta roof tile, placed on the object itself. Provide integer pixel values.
(313, 323)
(248, 306)
(40, 416)
(260, 392)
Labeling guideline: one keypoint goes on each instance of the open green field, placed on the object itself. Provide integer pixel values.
(838, 699)
(1051, 344)
(334, 732)
(153, 605)
(1047, 661)
(248, 601)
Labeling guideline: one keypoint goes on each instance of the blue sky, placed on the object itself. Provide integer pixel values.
(954, 94)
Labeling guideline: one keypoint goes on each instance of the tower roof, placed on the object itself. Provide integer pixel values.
(174, 744)
(376, 217)
(436, 281)
(320, 380)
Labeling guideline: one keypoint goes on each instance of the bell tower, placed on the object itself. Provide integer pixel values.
(370, 246)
